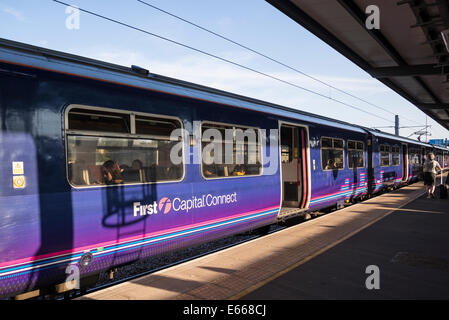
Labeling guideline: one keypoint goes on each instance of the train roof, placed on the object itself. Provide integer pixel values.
(440, 147)
(382, 134)
(50, 60)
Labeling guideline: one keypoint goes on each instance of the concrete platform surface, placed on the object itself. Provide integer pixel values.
(248, 270)
(410, 248)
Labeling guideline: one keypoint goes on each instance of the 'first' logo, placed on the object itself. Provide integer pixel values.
(164, 205)
(143, 210)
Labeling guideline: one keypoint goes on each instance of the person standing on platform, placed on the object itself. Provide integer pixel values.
(430, 172)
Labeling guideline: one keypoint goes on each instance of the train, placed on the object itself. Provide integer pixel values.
(66, 120)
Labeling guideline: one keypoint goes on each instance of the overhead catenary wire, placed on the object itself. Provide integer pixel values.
(269, 58)
(218, 58)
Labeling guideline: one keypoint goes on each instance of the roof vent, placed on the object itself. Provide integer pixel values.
(140, 70)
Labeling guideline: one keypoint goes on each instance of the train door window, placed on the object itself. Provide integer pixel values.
(332, 153)
(411, 156)
(286, 144)
(414, 156)
(229, 151)
(440, 157)
(356, 154)
(101, 154)
(384, 155)
(395, 156)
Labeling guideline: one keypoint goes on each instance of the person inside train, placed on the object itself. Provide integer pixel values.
(430, 171)
(239, 170)
(209, 170)
(132, 173)
(330, 165)
(77, 175)
(111, 172)
(136, 164)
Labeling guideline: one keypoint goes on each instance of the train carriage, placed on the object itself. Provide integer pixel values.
(396, 160)
(87, 155)
(442, 156)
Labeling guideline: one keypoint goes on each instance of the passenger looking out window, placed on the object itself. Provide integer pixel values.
(332, 153)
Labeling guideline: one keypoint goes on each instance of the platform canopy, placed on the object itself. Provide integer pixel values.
(407, 53)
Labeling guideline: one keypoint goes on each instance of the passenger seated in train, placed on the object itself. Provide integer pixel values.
(78, 173)
(111, 172)
(133, 173)
(137, 164)
(330, 165)
(239, 170)
(209, 170)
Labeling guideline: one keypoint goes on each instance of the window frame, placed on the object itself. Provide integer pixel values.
(389, 155)
(413, 156)
(321, 152)
(363, 152)
(132, 114)
(200, 146)
(399, 155)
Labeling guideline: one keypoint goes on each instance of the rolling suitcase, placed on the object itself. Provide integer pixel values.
(443, 189)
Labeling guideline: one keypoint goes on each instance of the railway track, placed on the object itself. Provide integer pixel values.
(154, 264)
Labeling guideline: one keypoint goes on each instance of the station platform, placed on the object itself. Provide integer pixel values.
(401, 232)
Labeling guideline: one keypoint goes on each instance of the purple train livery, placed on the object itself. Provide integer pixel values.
(93, 176)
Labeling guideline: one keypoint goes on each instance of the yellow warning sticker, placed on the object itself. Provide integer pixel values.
(17, 167)
(19, 182)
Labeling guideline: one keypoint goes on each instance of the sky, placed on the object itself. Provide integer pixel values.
(254, 23)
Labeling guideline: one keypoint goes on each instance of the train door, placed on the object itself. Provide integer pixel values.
(370, 166)
(404, 162)
(294, 169)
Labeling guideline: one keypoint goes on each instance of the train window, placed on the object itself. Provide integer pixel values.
(99, 121)
(384, 155)
(155, 126)
(287, 143)
(439, 157)
(356, 154)
(338, 143)
(395, 156)
(332, 153)
(96, 158)
(326, 143)
(414, 157)
(229, 151)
